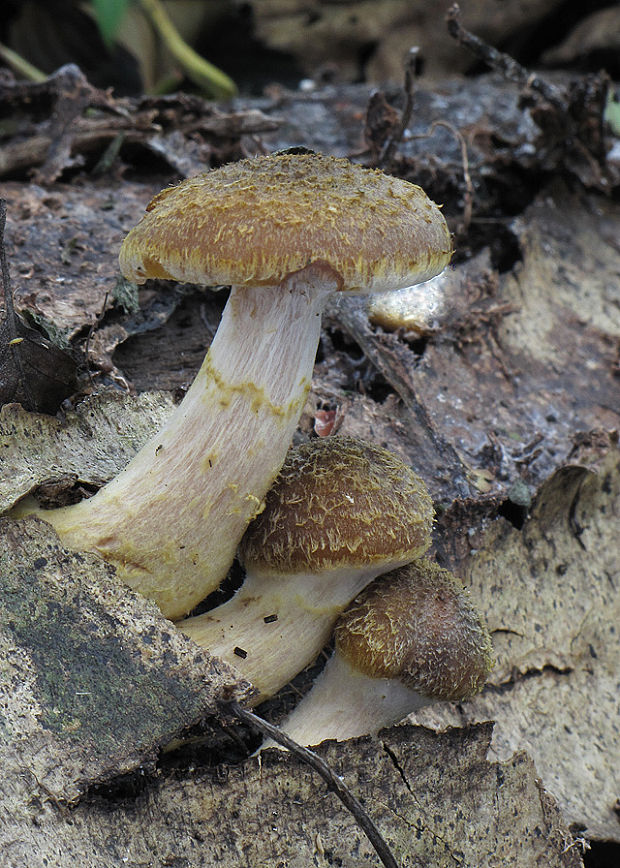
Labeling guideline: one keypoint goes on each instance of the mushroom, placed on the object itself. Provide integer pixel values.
(286, 231)
(411, 637)
(341, 512)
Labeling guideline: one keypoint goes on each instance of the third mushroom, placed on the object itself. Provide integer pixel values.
(341, 512)
(412, 637)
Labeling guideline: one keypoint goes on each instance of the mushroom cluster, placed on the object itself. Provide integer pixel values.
(285, 231)
(340, 542)
(341, 512)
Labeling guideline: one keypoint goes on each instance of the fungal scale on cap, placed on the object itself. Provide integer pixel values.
(339, 501)
(417, 625)
(258, 220)
(340, 512)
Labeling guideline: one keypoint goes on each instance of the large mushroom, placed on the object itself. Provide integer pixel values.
(411, 637)
(341, 512)
(285, 231)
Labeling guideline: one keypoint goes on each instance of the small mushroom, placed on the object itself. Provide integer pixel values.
(411, 637)
(416, 311)
(341, 512)
(285, 231)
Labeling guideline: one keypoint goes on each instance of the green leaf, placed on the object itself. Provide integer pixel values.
(612, 113)
(109, 14)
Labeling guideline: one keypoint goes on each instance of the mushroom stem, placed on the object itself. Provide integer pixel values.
(410, 637)
(245, 404)
(345, 703)
(275, 625)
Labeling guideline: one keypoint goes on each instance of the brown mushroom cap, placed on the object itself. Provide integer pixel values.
(418, 625)
(339, 502)
(256, 221)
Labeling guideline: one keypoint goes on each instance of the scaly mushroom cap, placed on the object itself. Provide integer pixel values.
(437, 646)
(256, 221)
(339, 502)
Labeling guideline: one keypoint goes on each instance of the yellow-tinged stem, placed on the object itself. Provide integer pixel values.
(306, 607)
(171, 521)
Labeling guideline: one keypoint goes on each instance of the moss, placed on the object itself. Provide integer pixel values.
(95, 684)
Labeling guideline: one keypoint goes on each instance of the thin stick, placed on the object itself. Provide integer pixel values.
(503, 63)
(390, 149)
(10, 316)
(333, 781)
(91, 331)
(6, 278)
(469, 187)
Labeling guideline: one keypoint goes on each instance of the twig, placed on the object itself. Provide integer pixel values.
(390, 148)
(10, 316)
(6, 278)
(93, 326)
(503, 63)
(333, 781)
(469, 187)
(570, 119)
(392, 143)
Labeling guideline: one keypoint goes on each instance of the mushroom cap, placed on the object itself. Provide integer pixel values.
(256, 221)
(339, 502)
(417, 624)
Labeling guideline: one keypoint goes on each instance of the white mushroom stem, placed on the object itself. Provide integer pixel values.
(172, 519)
(409, 637)
(345, 703)
(306, 606)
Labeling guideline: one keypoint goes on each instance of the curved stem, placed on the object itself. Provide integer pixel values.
(276, 625)
(171, 521)
(207, 76)
(20, 65)
(344, 703)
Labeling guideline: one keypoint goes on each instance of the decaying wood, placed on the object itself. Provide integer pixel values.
(550, 592)
(95, 682)
(335, 782)
(570, 118)
(435, 797)
(32, 370)
(518, 361)
(507, 406)
(90, 444)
